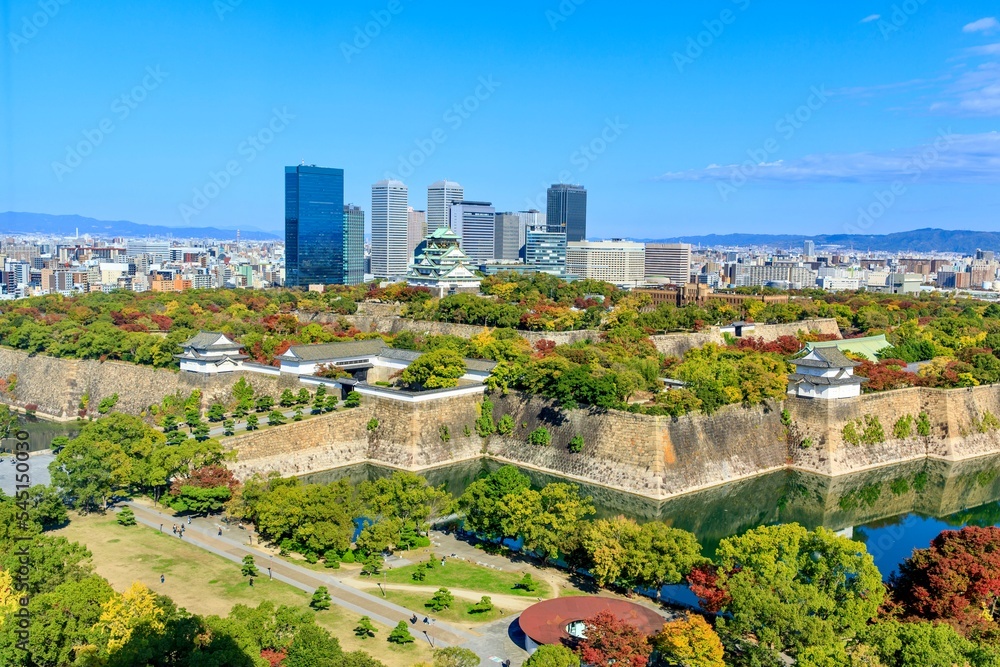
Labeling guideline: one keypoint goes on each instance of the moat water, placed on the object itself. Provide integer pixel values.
(41, 432)
(893, 509)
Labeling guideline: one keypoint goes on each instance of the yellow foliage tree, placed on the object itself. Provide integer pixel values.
(122, 614)
(690, 641)
(8, 596)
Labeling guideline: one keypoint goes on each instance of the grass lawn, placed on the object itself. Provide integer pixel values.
(205, 584)
(458, 613)
(459, 574)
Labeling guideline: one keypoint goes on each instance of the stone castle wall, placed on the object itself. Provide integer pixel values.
(404, 435)
(955, 415)
(57, 385)
(676, 344)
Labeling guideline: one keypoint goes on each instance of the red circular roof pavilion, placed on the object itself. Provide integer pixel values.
(546, 622)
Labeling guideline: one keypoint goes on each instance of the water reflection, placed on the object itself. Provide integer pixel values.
(41, 432)
(892, 509)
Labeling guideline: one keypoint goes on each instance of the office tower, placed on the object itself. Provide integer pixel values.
(416, 230)
(530, 219)
(314, 226)
(390, 254)
(616, 261)
(158, 251)
(474, 222)
(669, 260)
(506, 236)
(354, 245)
(984, 254)
(809, 248)
(545, 251)
(440, 196)
(567, 211)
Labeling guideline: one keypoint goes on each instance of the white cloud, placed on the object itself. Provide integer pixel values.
(984, 50)
(975, 93)
(869, 19)
(987, 24)
(968, 158)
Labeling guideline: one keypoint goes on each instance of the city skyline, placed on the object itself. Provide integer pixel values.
(680, 105)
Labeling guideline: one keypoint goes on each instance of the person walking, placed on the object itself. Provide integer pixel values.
(162, 578)
(220, 532)
(174, 528)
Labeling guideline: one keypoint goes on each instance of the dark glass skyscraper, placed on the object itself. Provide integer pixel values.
(567, 211)
(316, 247)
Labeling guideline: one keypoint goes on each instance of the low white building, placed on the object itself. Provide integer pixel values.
(371, 356)
(211, 352)
(825, 372)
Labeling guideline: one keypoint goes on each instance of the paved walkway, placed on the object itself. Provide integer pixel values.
(204, 533)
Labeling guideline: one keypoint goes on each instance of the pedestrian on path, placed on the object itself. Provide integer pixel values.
(161, 527)
(162, 578)
(189, 521)
(220, 532)
(174, 528)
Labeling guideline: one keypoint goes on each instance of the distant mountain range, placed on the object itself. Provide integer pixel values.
(68, 225)
(918, 240)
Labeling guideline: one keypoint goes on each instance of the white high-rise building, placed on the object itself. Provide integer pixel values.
(475, 222)
(616, 261)
(390, 255)
(440, 197)
(669, 260)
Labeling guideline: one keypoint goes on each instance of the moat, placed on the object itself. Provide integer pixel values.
(892, 509)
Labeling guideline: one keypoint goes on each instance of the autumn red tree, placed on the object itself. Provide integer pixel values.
(886, 374)
(206, 477)
(611, 641)
(956, 580)
(704, 582)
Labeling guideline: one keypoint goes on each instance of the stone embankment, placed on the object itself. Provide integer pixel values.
(58, 386)
(653, 457)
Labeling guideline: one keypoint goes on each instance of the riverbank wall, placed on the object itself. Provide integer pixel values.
(652, 457)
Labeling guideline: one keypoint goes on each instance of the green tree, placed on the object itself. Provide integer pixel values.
(287, 399)
(400, 634)
(353, 400)
(455, 656)
(107, 404)
(264, 403)
(249, 567)
(434, 370)
(126, 517)
(442, 599)
(365, 628)
(505, 426)
(480, 502)
(527, 583)
(252, 422)
(320, 599)
(924, 644)
(302, 398)
(201, 432)
(553, 655)
(792, 588)
(651, 555)
(576, 444)
(540, 437)
(484, 605)
(546, 518)
(216, 413)
(228, 427)
(275, 418)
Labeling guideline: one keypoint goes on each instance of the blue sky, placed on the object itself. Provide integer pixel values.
(716, 116)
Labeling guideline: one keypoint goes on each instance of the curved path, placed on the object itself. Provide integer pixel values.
(203, 533)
